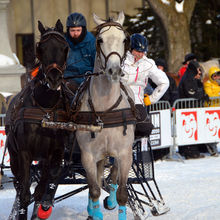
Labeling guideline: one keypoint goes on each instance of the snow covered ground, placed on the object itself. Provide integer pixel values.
(191, 190)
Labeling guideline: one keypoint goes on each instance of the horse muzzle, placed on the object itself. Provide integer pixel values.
(114, 73)
(54, 76)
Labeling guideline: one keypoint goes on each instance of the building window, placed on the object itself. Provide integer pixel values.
(25, 49)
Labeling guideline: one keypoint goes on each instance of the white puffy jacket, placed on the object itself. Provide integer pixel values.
(136, 76)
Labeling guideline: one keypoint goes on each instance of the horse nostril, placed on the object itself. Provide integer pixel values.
(110, 71)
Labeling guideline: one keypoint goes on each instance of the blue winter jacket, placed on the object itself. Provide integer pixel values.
(81, 57)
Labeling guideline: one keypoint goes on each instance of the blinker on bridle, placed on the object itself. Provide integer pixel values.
(60, 38)
(98, 47)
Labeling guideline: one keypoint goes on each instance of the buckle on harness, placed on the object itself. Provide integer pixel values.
(99, 122)
(47, 116)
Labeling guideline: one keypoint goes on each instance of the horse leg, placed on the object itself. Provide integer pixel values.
(100, 169)
(90, 167)
(40, 188)
(24, 162)
(125, 163)
(54, 165)
(110, 202)
(15, 170)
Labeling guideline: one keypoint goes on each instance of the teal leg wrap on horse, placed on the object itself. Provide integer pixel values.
(111, 200)
(97, 214)
(90, 206)
(122, 213)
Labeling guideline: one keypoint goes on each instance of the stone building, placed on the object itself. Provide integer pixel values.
(19, 30)
(24, 14)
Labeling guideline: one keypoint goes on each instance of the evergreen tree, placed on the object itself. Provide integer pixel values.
(205, 29)
(145, 22)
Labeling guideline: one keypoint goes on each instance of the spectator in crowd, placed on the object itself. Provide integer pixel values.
(171, 94)
(3, 105)
(137, 69)
(212, 86)
(212, 89)
(3, 108)
(191, 87)
(189, 57)
(82, 51)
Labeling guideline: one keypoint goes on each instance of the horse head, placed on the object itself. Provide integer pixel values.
(112, 43)
(52, 52)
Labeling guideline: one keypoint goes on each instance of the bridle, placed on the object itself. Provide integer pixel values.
(44, 38)
(99, 50)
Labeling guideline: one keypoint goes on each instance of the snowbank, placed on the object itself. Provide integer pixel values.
(189, 189)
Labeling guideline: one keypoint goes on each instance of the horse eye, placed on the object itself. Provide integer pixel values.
(99, 41)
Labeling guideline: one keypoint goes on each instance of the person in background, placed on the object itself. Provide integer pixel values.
(191, 87)
(137, 69)
(172, 93)
(212, 86)
(82, 51)
(3, 105)
(212, 89)
(189, 57)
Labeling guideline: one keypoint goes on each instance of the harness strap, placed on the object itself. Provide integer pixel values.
(130, 100)
(36, 115)
(115, 105)
(114, 118)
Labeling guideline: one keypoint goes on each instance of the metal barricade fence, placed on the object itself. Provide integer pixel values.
(187, 103)
(214, 101)
(2, 119)
(2, 143)
(193, 107)
(161, 134)
(160, 105)
(181, 104)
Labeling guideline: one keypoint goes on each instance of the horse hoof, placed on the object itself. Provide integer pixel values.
(105, 204)
(96, 218)
(44, 214)
(122, 213)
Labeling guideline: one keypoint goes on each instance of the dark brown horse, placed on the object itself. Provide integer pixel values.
(27, 141)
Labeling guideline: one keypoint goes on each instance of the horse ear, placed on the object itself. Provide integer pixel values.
(59, 26)
(41, 28)
(121, 18)
(97, 19)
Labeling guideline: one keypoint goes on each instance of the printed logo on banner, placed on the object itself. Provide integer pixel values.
(212, 121)
(2, 147)
(190, 125)
(155, 137)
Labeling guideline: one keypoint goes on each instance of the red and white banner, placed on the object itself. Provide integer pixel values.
(2, 147)
(197, 125)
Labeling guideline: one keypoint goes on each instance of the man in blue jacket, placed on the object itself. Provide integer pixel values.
(82, 51)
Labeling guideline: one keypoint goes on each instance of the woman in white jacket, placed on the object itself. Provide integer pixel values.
(137, 68)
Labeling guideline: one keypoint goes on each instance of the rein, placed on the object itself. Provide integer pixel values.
(85, 75)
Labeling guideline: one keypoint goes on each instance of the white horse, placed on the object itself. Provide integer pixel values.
(104, 94)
